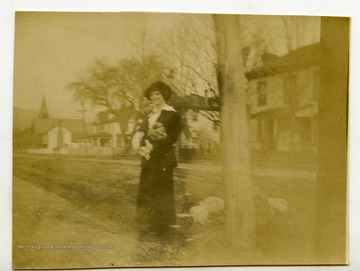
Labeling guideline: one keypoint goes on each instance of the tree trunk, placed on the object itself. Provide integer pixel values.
(240, 218)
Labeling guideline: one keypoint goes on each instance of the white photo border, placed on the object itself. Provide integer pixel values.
(348, 8)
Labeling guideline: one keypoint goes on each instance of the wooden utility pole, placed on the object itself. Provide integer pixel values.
(83, 110)
(240, 215)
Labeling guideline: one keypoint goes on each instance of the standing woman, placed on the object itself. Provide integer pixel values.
(156, 203)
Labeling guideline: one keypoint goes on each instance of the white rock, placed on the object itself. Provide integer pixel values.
(213, 204)
(200, 214)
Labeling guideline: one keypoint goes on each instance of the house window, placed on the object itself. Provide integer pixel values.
(305, 131)
(289, 89)
(215, 126)
(316, 85)
(195, 116)
(261, 93)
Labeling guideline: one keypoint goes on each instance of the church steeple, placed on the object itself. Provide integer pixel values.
(43, 113)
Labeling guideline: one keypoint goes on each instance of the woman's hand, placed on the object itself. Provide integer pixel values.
(146, 150)
(148, 145)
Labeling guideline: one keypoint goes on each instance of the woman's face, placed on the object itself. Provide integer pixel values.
(157, 98)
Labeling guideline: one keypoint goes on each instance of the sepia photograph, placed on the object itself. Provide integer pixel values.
(148, 139)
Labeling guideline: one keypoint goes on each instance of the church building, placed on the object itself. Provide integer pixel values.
(55, 135)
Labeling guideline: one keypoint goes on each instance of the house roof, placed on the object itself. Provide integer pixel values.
(121, 115)
(55, 127)
(271, 112)
(105, 117)
(306, 111)
(301, 58)
(100, 134)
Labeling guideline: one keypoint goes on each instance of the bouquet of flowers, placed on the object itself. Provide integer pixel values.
(156, 132)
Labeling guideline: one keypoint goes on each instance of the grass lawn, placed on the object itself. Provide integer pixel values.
(64, 201)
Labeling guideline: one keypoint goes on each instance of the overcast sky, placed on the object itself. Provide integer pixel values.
(53, 49)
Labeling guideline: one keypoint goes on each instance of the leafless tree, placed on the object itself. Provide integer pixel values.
(117, 88)
(191, 54)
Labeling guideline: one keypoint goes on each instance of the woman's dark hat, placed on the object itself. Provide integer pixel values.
(160, 86)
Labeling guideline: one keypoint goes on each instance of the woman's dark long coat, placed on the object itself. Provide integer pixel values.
(155, 203)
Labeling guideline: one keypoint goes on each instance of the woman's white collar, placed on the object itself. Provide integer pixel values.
(168, 108)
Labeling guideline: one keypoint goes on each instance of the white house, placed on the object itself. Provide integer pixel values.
(283, 102)
(107, 138)
(57, 138)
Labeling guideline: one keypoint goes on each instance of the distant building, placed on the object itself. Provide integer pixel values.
(202, 131)
(54, 135)
(283, 101)
(200, 134)
(105, 130)
(107, 137)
